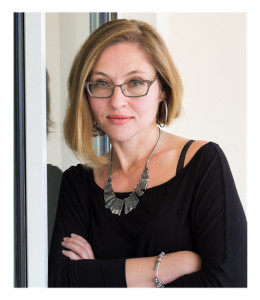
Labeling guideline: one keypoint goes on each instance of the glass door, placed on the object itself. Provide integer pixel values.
(44, 47)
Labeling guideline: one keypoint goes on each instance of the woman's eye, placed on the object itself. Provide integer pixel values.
(102, 83)
(135, 82)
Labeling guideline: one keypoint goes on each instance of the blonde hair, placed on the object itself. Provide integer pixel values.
(79, 128)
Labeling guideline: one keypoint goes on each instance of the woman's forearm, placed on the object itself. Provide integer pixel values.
(140, 271)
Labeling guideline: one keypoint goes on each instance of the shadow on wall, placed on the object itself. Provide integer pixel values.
(54, 173)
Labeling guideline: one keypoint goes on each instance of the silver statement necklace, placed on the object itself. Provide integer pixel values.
(116, 204)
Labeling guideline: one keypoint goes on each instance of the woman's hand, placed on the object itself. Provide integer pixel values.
(80, 248)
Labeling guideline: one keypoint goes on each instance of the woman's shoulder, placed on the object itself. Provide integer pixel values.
(176, 142)
(77, 173)
(83, 175)
(206, 151)
(195, 147)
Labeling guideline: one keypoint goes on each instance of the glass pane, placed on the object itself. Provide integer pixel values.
(65, 33)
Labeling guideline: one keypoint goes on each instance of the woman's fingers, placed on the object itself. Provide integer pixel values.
(71, 255)
(75, 238)
(80, 238)
(78, 245)
(84, 243)
(77, 249)
(74, 241)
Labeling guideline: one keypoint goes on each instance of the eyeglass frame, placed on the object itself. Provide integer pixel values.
(150, 82)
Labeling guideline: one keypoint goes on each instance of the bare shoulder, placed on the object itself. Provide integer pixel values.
(164, 167)
(176, 143)
(194, 147)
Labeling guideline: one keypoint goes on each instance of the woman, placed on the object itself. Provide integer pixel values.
(157, 210)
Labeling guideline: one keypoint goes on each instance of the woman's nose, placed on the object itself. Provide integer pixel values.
(118, 99)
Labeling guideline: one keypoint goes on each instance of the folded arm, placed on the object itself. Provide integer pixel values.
(139, 272)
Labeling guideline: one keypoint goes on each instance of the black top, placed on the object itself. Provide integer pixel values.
(198, 210)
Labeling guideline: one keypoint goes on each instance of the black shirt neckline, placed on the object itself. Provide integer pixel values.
(159, 186)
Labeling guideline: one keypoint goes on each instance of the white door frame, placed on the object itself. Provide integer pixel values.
(36, 151)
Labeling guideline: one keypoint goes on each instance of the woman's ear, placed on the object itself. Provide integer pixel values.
(162, 95)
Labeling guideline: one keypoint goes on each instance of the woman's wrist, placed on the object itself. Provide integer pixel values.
(177, 264)
(157, 265)
(140, 272)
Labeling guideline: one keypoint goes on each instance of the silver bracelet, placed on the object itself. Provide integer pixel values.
(157, 280)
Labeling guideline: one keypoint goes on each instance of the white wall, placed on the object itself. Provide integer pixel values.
(209, 50)
(53, 87)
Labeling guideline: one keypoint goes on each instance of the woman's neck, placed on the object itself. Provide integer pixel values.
(128, 153)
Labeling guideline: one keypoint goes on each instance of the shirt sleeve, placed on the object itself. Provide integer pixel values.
(72, 217)
(218, 225)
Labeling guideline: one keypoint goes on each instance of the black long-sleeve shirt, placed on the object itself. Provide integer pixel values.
(197, 210)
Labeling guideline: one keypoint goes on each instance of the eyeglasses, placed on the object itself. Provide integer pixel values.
(133, 88)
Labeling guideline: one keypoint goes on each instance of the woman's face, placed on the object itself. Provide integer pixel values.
(123, 117)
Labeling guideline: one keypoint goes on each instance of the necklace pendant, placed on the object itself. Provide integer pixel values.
(115, 204)
(108, 192)
(143, 181)
(138, 192)
(131, 202)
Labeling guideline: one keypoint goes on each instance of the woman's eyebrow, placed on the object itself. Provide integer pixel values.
(127, 74)
(135, 72)
(100, 73)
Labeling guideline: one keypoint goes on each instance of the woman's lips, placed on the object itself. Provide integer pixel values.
(119, 119)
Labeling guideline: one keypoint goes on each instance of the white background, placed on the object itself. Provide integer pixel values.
(6, 79)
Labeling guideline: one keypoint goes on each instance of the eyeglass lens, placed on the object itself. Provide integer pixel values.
(131, 89)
